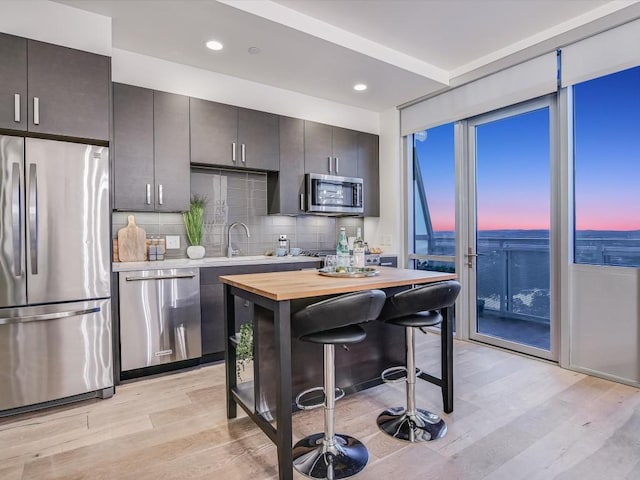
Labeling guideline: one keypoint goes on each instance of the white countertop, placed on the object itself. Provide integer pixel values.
(210, 262)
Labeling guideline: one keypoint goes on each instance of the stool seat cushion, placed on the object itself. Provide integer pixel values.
(427, 299)
(335, 313)
(430, 318)
(342, 335)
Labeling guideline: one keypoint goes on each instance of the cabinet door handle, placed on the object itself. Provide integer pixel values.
(302, 202)
(36, 111)
(148, 194)
(233, 151)
(243, 153)
(329, 164)
(16, 108)
(337, 164)
(160, 196)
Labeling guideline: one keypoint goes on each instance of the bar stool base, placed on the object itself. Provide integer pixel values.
(312, 459)
(424, 427)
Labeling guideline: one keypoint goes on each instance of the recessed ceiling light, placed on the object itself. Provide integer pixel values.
(359, 87)
(214, 45)
(254, 50)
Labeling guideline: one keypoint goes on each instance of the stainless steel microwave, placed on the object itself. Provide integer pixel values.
(332, 194)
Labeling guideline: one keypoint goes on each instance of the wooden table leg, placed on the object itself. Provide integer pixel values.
(229, 350)
(446, 346)
(283, 393)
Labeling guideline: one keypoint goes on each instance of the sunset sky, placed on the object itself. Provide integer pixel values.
(513, 163)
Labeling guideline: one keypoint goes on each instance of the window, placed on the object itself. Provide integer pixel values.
(434, 195)
(607, 169)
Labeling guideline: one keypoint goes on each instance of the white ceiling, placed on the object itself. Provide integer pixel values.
(402, 49)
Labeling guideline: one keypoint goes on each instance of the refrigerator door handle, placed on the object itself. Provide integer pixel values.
(48, 316)
(16, 219)
(33, 217)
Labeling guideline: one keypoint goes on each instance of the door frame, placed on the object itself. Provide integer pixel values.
(466, 225)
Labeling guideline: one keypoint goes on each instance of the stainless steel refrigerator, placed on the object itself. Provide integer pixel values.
(55, 319)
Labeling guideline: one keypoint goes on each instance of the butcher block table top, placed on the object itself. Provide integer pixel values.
(309, 283)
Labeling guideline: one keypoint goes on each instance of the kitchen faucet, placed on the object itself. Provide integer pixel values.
(230, 251)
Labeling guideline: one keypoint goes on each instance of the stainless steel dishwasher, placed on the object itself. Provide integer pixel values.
(159, 317)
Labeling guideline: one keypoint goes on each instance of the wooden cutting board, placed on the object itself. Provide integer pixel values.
(132, 242)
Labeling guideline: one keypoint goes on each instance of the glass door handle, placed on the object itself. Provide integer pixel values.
(470, 256)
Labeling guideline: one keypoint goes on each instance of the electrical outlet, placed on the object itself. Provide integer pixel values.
(385, 240)
(173, 242)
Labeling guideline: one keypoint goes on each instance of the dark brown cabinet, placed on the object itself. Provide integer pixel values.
(171, 152)
(330, 150)
(225, 135)
(150, 150)
(368, 170)
(13, 82)
(53, 90)
(285, 189)
(212, 302)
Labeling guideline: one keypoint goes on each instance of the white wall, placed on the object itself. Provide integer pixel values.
(150, 72)
(55, 23)
(386, 231)
(605, 322)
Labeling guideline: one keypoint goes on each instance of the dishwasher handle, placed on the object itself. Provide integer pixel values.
(161, 277)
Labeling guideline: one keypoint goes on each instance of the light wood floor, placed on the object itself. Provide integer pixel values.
(515, 418)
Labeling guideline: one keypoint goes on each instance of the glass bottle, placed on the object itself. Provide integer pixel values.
(358, 250)
(343, 245)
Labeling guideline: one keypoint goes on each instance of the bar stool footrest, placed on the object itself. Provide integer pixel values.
(339, 393)
(422, 427)
(387, 373)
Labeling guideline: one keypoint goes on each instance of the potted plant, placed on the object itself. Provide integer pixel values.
(244, 348)
(194, 224)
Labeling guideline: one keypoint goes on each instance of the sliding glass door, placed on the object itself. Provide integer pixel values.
(507, 250)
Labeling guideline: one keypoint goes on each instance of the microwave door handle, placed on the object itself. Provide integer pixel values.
(16, 219)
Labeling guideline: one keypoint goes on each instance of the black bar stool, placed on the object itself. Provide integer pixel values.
(329, 455)
(419, 307)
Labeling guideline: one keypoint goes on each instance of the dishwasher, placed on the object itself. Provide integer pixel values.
(159, 317)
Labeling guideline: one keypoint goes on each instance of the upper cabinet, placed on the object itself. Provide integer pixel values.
(53, 90)
(285, 189)
(330, 150)
(150, 150)
(368, 170)
(229, 136)
(13, 84)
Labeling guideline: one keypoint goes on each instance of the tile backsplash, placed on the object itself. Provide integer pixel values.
(233, 196)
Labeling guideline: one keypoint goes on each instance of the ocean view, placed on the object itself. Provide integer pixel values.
(513, 265)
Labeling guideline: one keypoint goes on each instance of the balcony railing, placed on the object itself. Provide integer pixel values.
(513, 276)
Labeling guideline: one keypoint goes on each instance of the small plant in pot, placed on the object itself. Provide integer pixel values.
(194, 224)
(244, 349)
